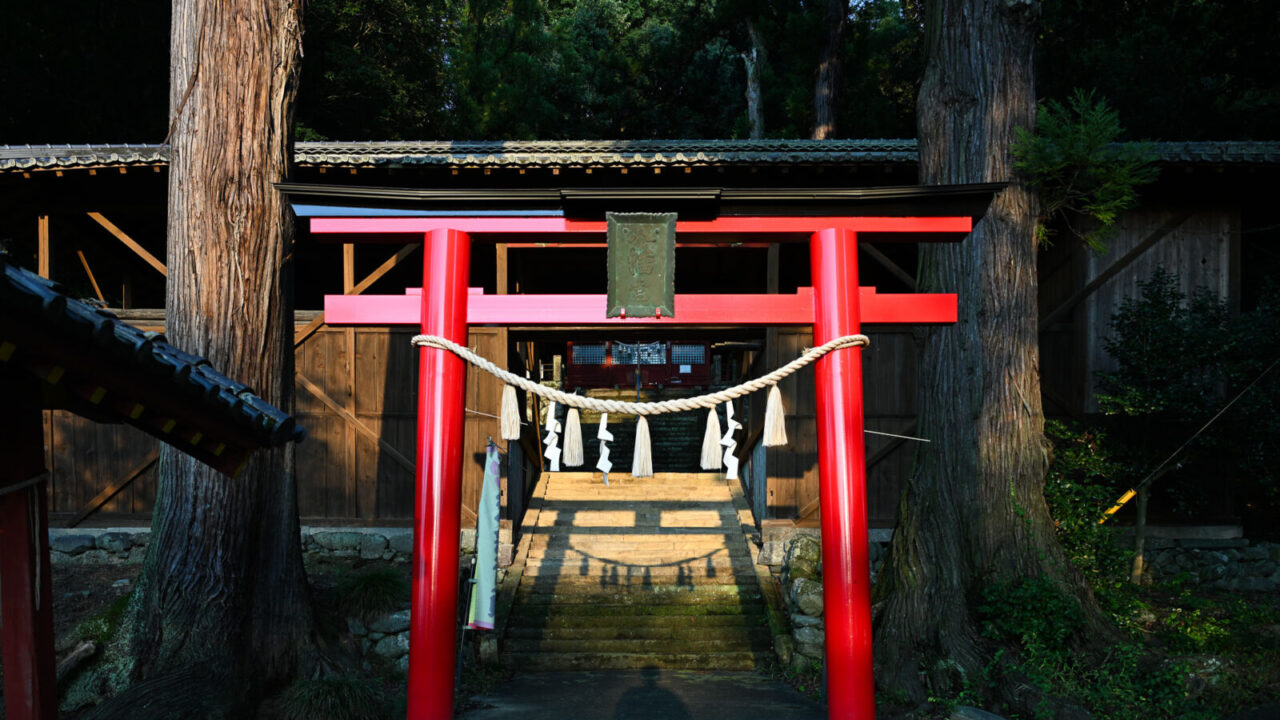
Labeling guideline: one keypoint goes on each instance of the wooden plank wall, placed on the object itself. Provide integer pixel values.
(1200, 251)
(889, 396)
(344, 476)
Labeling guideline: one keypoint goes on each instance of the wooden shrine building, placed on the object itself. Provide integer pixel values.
(93, 217)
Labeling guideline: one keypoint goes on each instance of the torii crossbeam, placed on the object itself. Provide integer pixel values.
(834, 306)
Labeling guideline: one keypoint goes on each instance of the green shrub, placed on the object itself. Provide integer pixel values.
(337, 698)
(372, 593)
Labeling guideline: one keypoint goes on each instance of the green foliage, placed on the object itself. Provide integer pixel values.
(1074, 162)
(1083, 481)
(1179, 360)
(1174, 70)
(1128, 682)
(372, 593)
(336, 698)
(103, 627)
(1033, 612)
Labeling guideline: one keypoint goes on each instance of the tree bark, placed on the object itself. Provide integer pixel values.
(824, 89)
(973, 512)
(223, 589)
(753, 59)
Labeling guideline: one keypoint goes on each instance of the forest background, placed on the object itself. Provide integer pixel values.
(587, 69)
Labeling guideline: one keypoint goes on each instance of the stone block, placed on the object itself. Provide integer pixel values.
(468, 541)
(396, 622)
(71, 544)
(965, 712)
(809, 635)
(506, 554)
(807, 595)
(771, 554)
(799, 620)
(784, 647)
(356, 627)
(339, 540)
(372, 546)
(803, 559)
(1256, 552)
(1214, 543)
(393, 647)
(115, 542)
(401, 542)
(810, 650)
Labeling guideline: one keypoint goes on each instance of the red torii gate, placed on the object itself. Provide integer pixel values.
(834, 306)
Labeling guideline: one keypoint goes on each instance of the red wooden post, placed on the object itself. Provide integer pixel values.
(26, 593)
(442, 380)
(842, 478)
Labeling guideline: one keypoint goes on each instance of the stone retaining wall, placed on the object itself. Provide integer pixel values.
(97, 546)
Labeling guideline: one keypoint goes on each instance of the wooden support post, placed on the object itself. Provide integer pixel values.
(500, 269)
(110, 491)
(44, 260)
(26, 593)
(92, 280)
(356, 289)
(130, 243)
(1061, 311)
(351, 484)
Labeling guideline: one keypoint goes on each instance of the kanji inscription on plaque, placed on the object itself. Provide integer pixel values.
(642, 264)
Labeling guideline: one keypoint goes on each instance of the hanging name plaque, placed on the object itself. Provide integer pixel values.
(642, 264)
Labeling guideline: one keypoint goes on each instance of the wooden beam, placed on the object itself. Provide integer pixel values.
(130, 243)
(44, 260)
(360, 427)
(110, 491)
(771, 269)
(92, 280)
(888, 264)
(1061, 311)
(812, 506)
(500, 268)
(348, 267)
(373, 277)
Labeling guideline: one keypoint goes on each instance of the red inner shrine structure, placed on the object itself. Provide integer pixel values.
(834, 306)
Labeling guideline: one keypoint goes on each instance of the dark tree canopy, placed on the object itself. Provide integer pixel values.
(554, 69)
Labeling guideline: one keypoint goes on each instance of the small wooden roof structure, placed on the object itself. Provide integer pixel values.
(56, 351)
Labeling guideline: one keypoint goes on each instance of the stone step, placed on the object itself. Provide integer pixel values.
(567, 577)
(654, 595)
(616, 479)
(636, 494)
(628, 619)
(639, 516)
(748, 629)
(630, 555)
(634, 661)
(635, 539)
(665, 646)
(526, 614)
(716, 565)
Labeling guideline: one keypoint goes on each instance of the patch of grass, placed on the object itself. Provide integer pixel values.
(337, 698)
(102, 627)
(373, 592)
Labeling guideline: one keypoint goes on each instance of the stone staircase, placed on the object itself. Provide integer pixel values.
(647, 572)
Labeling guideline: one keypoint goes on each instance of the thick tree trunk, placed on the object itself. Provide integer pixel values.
(974, 510)
(223, 590)
(825, 88)
(754, 60)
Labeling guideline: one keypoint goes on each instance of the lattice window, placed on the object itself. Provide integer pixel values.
(588, 354)
(653, 353)
(688, 354)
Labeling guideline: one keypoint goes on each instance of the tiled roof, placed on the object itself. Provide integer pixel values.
(33, 301)
(607, 153)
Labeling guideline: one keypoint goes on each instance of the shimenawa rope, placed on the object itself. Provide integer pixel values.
(709, 400)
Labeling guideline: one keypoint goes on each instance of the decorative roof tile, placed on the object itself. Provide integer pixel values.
(607, 153)
(65, 325)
